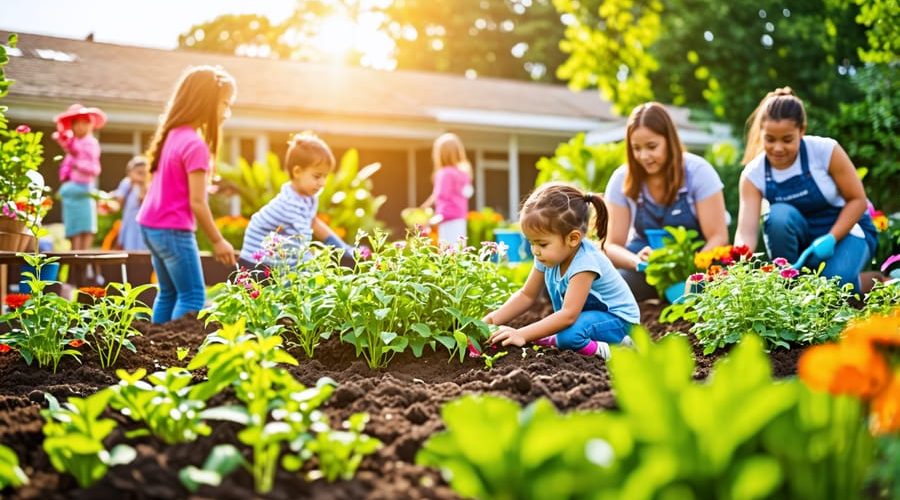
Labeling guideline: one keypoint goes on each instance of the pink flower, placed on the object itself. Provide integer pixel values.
(23, 129)
(365, 253)
(697, 277)
(473, 352)
(254, 293)
(789, 273)
(258, 255)
(780, 262)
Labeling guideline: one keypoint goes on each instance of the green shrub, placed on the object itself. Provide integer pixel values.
(586, 166)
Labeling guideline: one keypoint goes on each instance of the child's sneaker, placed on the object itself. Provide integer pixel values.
(596, 348)
(549, 341)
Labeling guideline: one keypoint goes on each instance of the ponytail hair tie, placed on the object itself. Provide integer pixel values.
(588, 197)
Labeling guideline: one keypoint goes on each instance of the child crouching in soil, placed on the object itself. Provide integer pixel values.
(592, 305)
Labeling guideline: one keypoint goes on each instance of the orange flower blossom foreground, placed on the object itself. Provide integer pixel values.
(865, 364)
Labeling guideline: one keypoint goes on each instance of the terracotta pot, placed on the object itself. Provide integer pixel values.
(28, 243)
(13, 242)
(8, 225)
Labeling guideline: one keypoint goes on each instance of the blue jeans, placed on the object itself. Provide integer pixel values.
(176, 260)
(787, 234)
(593, 325)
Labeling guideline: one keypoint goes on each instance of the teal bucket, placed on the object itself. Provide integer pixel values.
(675, 292)
(655, 237)
(518, 249)
(49, 272)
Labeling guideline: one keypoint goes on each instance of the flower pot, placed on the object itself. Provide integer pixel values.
(8, 225)
(512, 239)
(675, 292)
(13, 242)
(49, 272)
(655, 237)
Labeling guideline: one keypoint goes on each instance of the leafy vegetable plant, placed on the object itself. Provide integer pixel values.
(674, 262)
(107, 323)
(74, 434)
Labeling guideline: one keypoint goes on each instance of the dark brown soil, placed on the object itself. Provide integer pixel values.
(403, 402)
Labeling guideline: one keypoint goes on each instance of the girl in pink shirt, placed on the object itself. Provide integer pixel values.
(78, 171)
(452, 187)
(180, 163)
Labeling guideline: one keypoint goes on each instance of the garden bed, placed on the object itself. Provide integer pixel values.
(403, 402)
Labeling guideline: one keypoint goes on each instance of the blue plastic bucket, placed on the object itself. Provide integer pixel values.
(49, 272)
(514, 240)
(655, 237)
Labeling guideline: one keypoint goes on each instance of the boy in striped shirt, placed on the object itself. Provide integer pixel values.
(292, 212)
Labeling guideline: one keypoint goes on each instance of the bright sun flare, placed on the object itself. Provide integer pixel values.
(339, 35)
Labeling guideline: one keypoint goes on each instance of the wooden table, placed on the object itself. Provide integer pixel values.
(70, 257)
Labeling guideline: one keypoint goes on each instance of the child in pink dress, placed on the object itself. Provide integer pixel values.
(452, 188)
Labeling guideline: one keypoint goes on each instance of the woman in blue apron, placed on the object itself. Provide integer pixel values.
(661, 185)
(817, 204)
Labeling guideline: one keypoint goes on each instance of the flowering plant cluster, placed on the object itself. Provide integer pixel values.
(772, 300)
(864, 364)
(481, 225)
(888, 227)
(714, 261)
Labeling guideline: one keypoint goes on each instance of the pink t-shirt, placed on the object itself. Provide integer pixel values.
(167, 204)
(82, 161)
(452, 189)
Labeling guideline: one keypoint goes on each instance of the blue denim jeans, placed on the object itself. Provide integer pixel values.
(787, 234)
(593, 325)
(176, 260)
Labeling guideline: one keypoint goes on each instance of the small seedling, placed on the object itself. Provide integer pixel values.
(489, 360)
(182, 352)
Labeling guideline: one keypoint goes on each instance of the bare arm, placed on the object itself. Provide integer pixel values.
(322, 231)
(617, 235)
(520, 301)
(851, 188)
(711, 215)
(748, 214)
(222, 250)
(576, 296)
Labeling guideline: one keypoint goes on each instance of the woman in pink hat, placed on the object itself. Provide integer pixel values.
(78, 171)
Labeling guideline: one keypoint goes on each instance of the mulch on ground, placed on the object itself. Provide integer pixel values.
(403, 402)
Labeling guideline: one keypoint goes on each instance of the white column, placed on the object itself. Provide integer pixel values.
(411, 178)
(513, 158)
(261, 148)
(479, 179)
(136, 142)
(234, 149)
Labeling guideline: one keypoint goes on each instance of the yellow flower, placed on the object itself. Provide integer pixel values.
(881, 222)
(721, 252)
(703, 260)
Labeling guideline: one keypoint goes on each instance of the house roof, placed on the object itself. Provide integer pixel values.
(86, 71)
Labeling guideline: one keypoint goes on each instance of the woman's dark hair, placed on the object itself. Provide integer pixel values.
(557, 208)
(780, 104)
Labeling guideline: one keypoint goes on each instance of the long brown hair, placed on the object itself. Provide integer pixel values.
(195, 101)
(654, 116)
(780, 104)
(448, 150)
(558, 208)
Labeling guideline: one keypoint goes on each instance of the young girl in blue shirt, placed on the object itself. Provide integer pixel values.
(592, 305)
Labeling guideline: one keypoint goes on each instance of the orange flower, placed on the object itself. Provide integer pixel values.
(768, 268)
(853, 368)
(714, 270)
(886, 408)
(17, 300)
(881, 221)
(94, 291)
(877, 330)
(76, 343)
(4, 348)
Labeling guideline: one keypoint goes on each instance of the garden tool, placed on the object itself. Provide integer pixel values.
(803, 256)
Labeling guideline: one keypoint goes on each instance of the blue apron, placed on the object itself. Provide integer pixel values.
(649, 215)
(802, 192)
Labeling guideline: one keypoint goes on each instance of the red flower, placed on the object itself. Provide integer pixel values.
(254, 293)
(740, 252)
(4, 348)
(17, 300)
(76, 343)
(23, 129)
(21, 206)
(94, 291)
(768, 268)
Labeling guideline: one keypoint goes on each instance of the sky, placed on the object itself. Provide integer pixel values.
(146, 23)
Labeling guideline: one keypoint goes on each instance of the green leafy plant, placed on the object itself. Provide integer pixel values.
(534, 453)
(40, 330)
(182, 352)
(222, 461)
(587, 166)
(74, 434)
(346, 202)
(674, 262)
(779, 304)
(162, 403)
(108, 322)
(339, 452)
(882, 299)
(489, 360)
(255, 183)
(480, 225)
(10, 472)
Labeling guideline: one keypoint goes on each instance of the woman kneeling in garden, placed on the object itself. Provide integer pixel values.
(592, 305)
(661, 185)
(817, 205)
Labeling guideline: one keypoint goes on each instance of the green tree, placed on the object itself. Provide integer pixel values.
(883, 19)
(243, 34)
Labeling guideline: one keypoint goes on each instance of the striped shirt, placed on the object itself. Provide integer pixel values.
(289, 213)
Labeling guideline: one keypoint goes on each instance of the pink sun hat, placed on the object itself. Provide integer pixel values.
(96, 115)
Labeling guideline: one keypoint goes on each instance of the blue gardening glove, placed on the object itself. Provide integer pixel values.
(641, 266)
(823, 246)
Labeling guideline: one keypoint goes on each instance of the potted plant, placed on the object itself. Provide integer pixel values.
(23, 200)
(670, 266)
